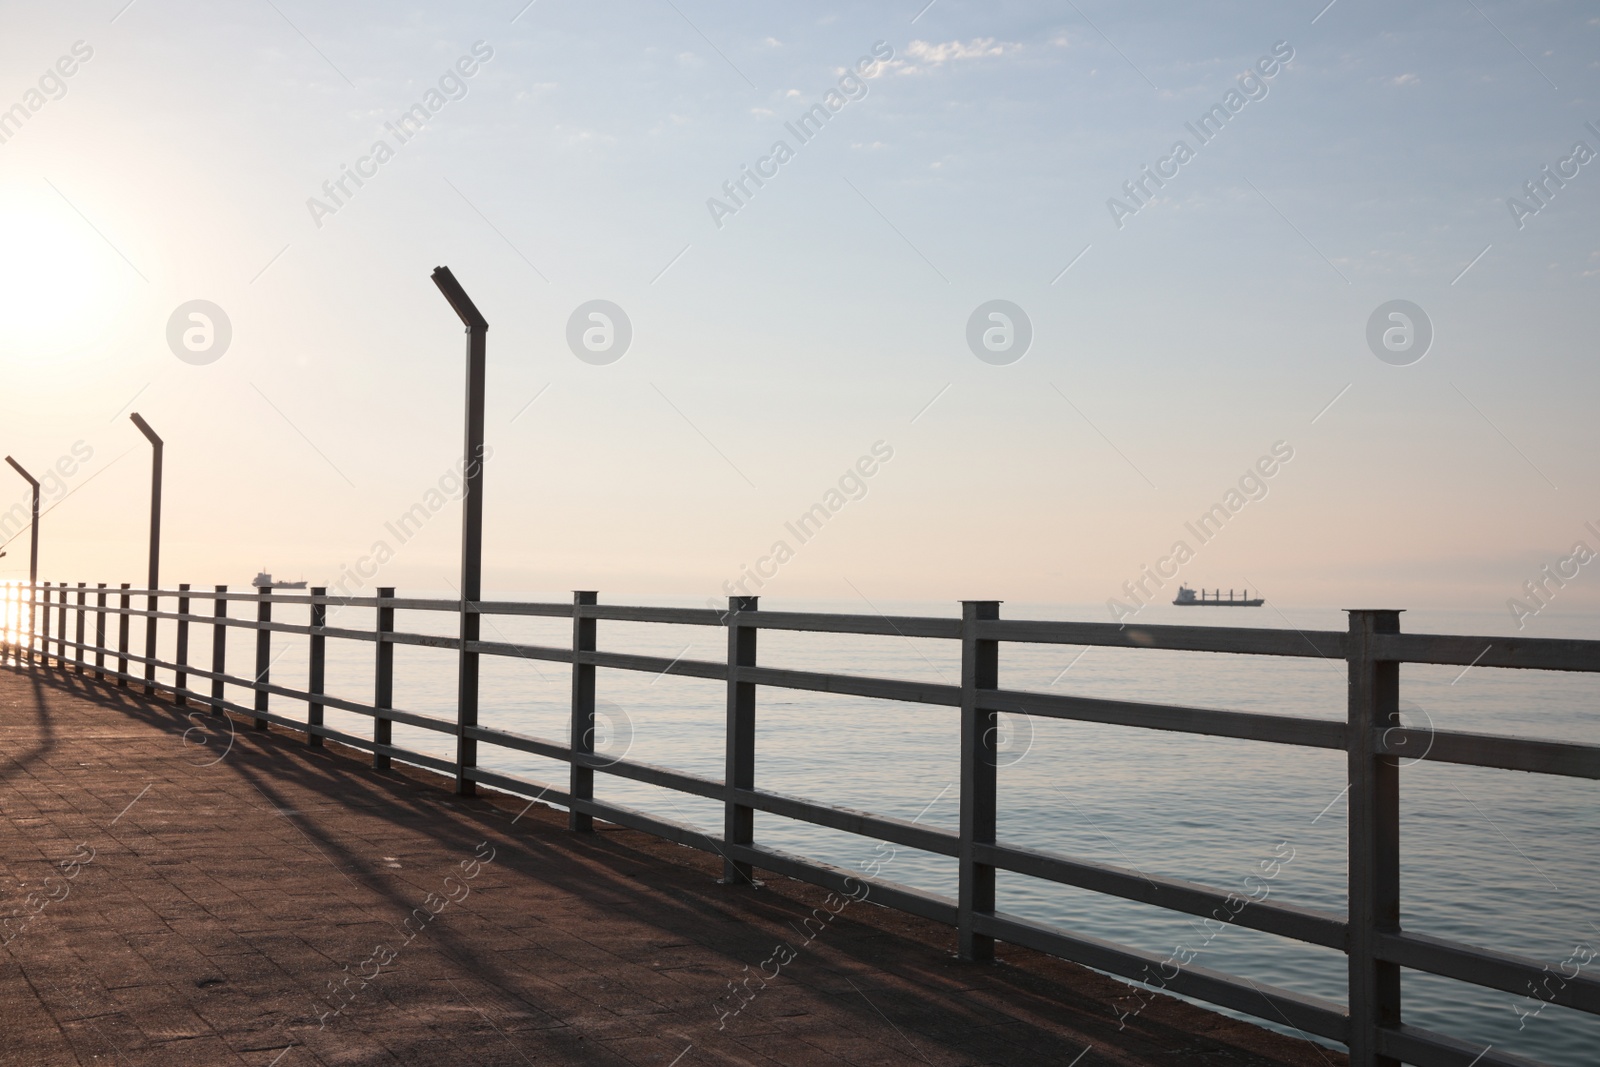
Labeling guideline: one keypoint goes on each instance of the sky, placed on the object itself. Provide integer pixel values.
(1161, 347)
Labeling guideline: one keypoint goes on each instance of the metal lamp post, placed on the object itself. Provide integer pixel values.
(154, 580)
(33, 549)
(471, 524)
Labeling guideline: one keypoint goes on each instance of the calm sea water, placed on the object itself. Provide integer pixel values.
(1499, 859)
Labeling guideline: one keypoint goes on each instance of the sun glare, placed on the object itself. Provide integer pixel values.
(56, 290)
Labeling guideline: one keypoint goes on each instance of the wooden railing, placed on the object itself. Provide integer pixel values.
(1373, 738)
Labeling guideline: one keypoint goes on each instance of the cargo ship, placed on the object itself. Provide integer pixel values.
(264, 581)
(1187, 596)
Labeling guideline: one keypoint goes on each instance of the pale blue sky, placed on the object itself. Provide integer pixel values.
(772, 352)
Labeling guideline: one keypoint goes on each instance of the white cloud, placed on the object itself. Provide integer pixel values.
(927, 55)
(1404, 80)
(977, 48)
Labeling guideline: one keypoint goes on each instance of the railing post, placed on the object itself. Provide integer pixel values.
(152, 604)
(44, 625)
(467, 679)
(33, 621)
(123, 602)
(79, 659)
(383, 680)
(100, 631)
(180, 677)
(980, 669)
(739, 770)
(61, 625)
(219, 649)
(581, 780)
(263, 651)
(1374, 833)
(319, 651)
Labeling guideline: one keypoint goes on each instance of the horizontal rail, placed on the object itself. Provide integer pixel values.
(1566, 758)
(1301, 924)
(881, 625)
(1424, 1048)
(1324, 644)
(1523, 653)
(207, 702)
(397, 637)
(848, 820)
(547, 653)
(1311, 1014)
(853, 685)
(326, 699)
(523, 787)
(625, 613)
(432, 763)
(878, 827)
(1486, 967)
(878, 891)
(847, 883)
(649, 774)
(628, 661)
(1246, 725)
(511, 607)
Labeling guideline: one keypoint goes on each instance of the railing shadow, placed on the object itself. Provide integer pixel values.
(17, 763)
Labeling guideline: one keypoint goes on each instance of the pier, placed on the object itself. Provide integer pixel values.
(83, 687)
(291, 905)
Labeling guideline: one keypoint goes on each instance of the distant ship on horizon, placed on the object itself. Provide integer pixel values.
(1187, 596)
(264, 581)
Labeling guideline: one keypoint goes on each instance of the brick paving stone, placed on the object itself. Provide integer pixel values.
(229, 898)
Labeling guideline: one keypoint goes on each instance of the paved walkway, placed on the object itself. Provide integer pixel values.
(289, 906)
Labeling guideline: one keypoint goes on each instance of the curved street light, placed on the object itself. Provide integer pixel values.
(33, 548)
(471, 523)
(154, 577)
